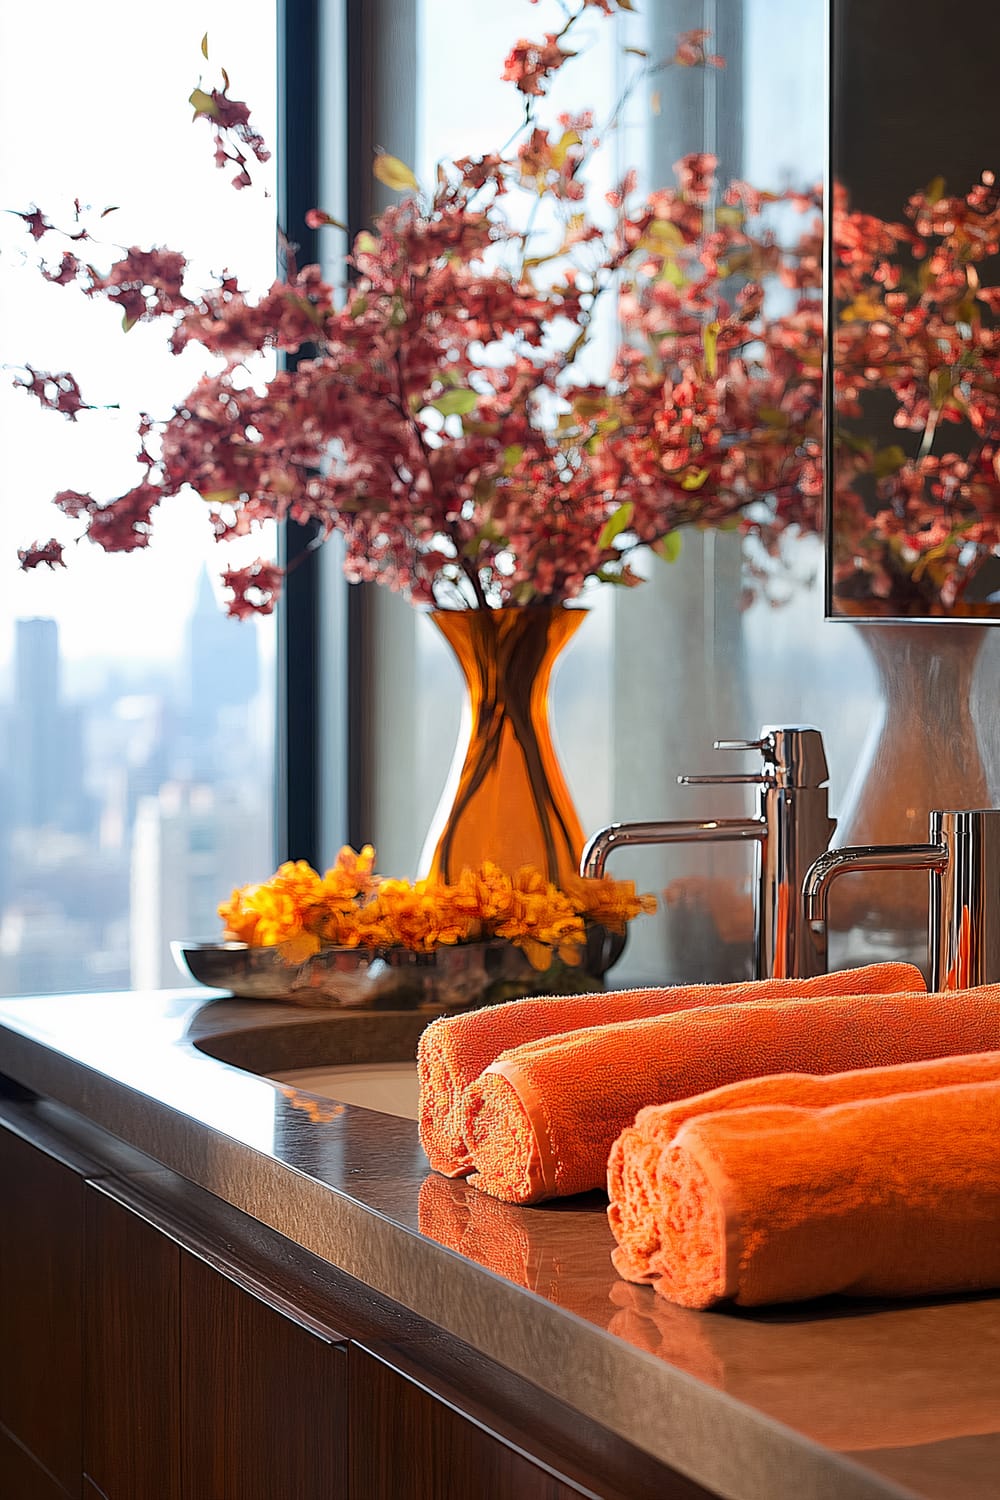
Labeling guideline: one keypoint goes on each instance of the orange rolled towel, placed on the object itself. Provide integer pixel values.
(541, 1120)
(454, 1050)
(896, 1196)
(642, 1207)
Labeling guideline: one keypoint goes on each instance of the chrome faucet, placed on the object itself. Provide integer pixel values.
(791, 828)
(963, 857)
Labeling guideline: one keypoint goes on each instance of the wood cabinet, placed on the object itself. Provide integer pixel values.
(195, 1386)
(132, 1356)
(408, 1444)
(41, 1260)
(263, 1399)
(157, 1344)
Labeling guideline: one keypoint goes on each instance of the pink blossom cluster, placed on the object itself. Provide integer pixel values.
(436, 418)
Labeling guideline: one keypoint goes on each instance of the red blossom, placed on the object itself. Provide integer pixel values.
(255, 588)
(56, 391)
(529, 65)
(50, 553)
(38, 224)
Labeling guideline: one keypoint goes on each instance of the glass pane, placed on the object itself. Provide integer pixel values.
(660, 671)
(137, 719)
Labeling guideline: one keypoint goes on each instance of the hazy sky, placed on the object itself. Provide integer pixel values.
(96, 97)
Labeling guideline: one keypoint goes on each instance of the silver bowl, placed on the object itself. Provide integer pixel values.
(448, 978)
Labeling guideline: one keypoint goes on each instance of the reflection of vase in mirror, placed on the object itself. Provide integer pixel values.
(922, 752)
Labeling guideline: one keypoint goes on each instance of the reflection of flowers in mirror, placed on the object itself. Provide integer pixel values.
(916, 353)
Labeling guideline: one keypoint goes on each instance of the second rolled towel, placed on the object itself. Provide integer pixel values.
(649, 1217)
(454, 1050)
(540, 1121)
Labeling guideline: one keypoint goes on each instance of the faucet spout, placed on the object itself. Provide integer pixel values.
(836, 862)
(679, 831)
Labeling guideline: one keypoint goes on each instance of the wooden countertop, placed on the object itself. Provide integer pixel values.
(821, 1401)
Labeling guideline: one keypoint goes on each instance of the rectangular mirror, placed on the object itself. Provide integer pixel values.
(913, 377)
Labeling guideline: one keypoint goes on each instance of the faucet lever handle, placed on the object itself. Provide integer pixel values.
(741, 744)
(748, 778)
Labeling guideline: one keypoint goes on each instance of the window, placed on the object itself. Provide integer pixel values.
(137, 720)
(658, 672)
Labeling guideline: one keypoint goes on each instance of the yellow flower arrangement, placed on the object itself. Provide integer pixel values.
(300, 911)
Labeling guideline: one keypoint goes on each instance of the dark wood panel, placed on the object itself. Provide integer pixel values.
(264, 1400)
(131, 1359)
(22, 1479)
(408, 1445)
(41, 1263)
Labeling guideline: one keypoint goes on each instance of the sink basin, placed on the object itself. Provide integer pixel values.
(390, 1087)
(352, 1057)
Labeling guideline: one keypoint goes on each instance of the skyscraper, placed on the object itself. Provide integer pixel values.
(46, 741)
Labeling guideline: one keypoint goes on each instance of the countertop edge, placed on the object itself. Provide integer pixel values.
(594, 1372)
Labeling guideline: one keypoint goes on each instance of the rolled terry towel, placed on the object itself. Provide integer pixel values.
(541, 1120)
(897, 1196)
(454, 1050)
(642, 1207)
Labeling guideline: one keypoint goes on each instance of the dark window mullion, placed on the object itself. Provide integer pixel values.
(297, 781)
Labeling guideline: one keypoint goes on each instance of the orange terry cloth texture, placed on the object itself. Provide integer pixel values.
(645, 1212)
(541, 1120)
(454, 1050)
(897, 1196)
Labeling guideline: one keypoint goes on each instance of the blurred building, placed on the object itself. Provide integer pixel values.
(191, 845)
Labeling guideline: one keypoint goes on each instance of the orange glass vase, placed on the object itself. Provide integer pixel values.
(506, 799)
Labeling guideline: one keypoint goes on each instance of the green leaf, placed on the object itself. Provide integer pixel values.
(358, 306)
(204, 45)
(694, 479)
(128, 323)
(668, 547)
(942, 382)
(366, 244)
(935, 190)
(512, 456)
(397, 313)
(616, 524)
(888, 461)
(204, 105)
(455, 403)
(775, 417)
(394, 173)
(710, 341)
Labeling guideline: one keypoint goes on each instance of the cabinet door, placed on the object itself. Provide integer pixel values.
(21, 1478)
(406, 1444)
(263, 1398)
(131, 1357)
(41, 1258)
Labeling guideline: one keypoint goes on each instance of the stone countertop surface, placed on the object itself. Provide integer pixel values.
(834, 1400)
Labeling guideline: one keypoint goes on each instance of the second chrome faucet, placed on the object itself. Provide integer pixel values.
(790, 830)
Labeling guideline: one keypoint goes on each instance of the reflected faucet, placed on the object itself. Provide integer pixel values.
(962, 856)
(792, 827)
